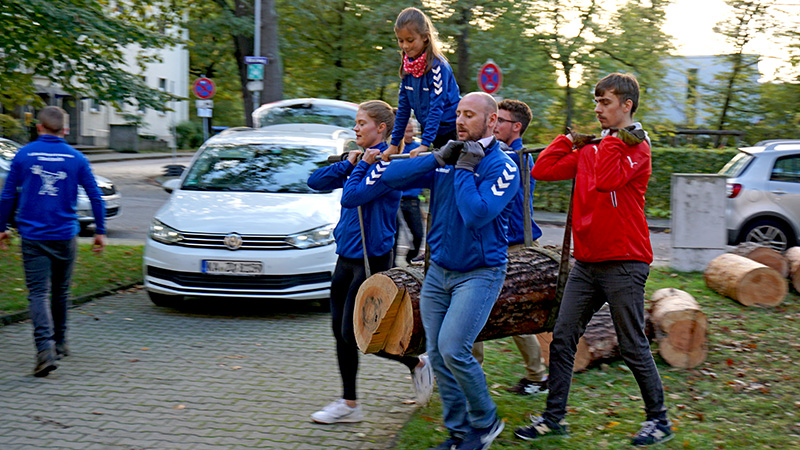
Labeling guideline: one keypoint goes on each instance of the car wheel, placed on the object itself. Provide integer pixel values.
(770, 233)
(165, 300)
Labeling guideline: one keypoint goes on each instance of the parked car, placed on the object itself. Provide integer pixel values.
(83, 208)
(306, 110)
(242, 222)
(763, 187)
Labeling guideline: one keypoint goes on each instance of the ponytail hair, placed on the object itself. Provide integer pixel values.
(380, 112)
(418, 22)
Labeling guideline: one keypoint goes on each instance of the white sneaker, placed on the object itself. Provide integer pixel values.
(423, 381)
(338, 412)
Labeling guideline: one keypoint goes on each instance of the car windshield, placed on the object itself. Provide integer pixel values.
(256, 168)
(736, 165)
(307, 113)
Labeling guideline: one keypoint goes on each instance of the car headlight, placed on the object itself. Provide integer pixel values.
(313, 238)
(163, 233)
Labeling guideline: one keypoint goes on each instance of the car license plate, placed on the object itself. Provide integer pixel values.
(232, 267)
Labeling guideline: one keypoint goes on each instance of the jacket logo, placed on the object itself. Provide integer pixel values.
(377, 172)
(504, 182)
(49, 180)
(631, 161)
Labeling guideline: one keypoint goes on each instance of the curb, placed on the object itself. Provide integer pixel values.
(20, 316)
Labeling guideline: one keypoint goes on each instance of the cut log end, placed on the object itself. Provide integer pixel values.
(681, 328)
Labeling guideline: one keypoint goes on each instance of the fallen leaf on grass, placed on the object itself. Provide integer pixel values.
(179, 407)
(145, 348)
(236, 367)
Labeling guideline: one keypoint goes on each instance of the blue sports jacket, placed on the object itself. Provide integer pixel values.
(433, 97)
(469, 225)
(411, 193)
(362, 186)
(49, 171)
(516, 224)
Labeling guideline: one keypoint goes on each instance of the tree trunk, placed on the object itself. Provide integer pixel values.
(746, 281)
(387, 315)
(463, 73)
(680, 328)
(763, 255)
(599, 343)
(793, 256)
(273, 71)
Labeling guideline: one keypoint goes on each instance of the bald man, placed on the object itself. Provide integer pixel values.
(471, 181)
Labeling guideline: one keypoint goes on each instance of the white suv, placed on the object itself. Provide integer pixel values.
(764, 194)
(242, 222)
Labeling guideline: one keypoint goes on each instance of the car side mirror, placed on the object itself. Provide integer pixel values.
(171, 185)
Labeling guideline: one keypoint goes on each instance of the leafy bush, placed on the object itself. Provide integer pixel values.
(554, 196)
(189, 134)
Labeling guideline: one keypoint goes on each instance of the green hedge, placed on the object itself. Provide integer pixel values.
(554, 196)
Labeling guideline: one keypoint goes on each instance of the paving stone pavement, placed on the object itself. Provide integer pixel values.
(224, 376)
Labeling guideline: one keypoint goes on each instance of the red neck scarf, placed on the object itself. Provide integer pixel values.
(416, 67)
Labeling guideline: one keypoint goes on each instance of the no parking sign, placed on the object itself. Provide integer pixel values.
(490, 77)
(204, 88)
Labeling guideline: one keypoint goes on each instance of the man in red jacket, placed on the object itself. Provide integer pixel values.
(612, 253)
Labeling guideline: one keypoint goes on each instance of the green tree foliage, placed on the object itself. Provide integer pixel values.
(79, 45)
(340, 49)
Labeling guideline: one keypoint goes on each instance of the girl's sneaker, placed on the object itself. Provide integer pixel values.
(338, 412)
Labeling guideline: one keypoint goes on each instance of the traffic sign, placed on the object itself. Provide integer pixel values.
(490, 77)
(204, 88)
(255, 72)
(204, 104)
(256, 60)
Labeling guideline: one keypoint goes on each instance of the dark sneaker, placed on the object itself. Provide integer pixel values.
(653, 432)
(481, 439)
(45, 363)
(419, 258)
(528, 387)
(541, 427)
(62, 350)
(451, 443)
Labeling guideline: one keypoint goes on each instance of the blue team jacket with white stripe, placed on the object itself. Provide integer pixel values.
(469, 225)
(433, 97)
(362, 186)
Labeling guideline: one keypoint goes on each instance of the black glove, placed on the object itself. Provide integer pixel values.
(630, 135)
(470, 156)
(447, 155)
(579, 139)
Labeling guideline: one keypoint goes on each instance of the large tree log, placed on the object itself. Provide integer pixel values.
(764, 255)
(598, 344)
(793, 256)
(680, 328)
(746, 281)
(387, 305)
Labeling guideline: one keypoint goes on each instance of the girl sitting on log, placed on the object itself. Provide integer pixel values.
(365, 230)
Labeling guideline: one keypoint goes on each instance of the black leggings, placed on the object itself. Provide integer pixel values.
(347, 278)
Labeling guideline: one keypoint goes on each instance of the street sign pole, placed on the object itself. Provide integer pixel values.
(257, 51)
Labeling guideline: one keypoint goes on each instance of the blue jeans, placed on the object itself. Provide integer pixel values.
(589, 286)
(48, 270)
(454, 307)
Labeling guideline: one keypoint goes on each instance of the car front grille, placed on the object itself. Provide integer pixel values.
(237, 282)
(249, 242)
(111, 212)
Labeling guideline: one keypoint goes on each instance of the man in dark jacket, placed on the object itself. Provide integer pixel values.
(44, 176)
(471, 181)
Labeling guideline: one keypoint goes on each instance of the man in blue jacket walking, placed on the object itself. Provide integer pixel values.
(471, 181)
(44, 176)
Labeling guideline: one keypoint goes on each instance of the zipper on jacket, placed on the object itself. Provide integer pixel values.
(614, 198)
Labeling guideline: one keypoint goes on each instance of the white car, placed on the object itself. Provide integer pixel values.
(306, 110)
(242, 222)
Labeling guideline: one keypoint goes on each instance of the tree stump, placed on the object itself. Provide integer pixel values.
(680, 328)
(793, 257)
(387, 304)
(598, 344)
(764, 255)
(746, 281)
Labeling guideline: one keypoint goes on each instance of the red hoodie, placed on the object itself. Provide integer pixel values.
(608, 221)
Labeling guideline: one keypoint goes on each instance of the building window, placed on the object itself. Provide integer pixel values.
(162, 86)
(94, 105)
